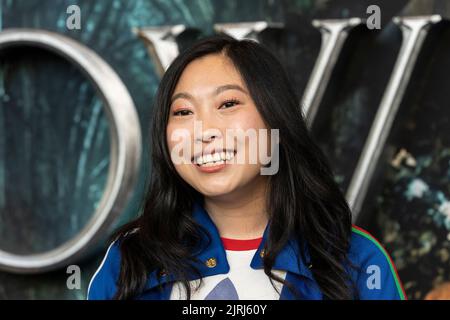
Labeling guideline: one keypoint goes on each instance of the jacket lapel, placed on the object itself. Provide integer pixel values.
(211, 249)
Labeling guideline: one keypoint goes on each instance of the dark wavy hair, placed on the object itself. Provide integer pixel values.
(304, 202)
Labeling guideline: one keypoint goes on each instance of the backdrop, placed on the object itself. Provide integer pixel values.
(55, 143)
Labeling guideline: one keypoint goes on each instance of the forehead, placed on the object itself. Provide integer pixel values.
(209, 71)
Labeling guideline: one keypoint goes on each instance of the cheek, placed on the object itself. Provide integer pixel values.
(179, 143)
(251, 121)
(169, 130)
(249, 118)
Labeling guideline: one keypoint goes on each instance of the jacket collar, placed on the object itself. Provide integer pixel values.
(288, 259)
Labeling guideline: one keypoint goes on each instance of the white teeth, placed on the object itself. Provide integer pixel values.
(217, 158)
(208, 164)
(199, 160)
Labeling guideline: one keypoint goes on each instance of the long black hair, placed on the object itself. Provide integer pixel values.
(304, 202)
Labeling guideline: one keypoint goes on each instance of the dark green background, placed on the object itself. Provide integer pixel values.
(54, 144)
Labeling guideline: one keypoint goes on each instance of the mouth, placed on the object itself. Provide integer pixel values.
(216, 158)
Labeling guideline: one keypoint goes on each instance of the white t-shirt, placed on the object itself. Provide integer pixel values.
(240, 283)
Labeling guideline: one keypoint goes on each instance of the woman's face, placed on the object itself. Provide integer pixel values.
(210, 106)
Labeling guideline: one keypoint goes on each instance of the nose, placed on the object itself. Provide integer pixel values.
(209, 128)
(210, 134)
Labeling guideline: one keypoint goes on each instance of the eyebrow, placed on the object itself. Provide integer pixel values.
(218, 90)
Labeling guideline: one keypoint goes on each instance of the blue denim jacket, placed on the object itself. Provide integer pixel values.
(375, 275)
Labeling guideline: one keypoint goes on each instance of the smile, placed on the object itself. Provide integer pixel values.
(214, 159)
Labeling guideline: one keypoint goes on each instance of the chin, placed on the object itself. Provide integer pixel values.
(215, 191)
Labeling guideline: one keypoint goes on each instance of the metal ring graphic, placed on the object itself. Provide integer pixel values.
(125, 136)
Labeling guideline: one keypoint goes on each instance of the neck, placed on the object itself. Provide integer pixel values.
(242, 214)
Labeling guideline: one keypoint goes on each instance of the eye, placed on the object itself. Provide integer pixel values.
(229, 103)
(183, 112)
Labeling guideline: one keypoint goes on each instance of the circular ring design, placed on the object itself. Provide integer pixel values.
(125, 136)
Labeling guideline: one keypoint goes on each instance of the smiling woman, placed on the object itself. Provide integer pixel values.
(211, 92)
(213, 226)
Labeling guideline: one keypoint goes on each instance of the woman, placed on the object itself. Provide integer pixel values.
(218, 224)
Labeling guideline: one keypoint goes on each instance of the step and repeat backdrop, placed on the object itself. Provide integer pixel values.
(77, 82)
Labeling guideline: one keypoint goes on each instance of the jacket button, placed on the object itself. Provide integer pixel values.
(211, 262)
(262, 253)
(163, 273)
